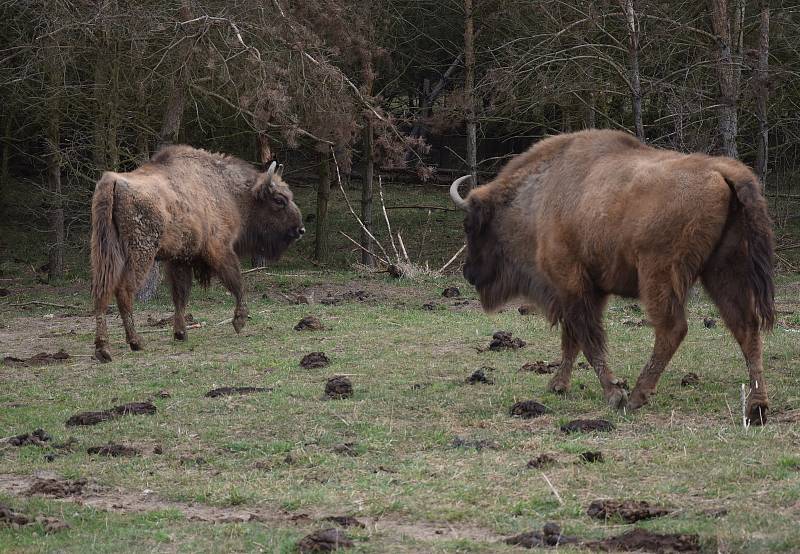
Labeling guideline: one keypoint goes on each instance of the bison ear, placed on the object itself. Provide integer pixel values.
(262, 188)
(480, 215)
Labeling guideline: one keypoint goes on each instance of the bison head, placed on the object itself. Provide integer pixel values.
(490, 267)
(275, 221)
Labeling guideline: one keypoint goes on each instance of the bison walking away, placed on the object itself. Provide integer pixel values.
(581, 216)
(196, 211)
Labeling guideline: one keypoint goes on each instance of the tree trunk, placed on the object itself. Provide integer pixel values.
(7, 139)
(170, 127)
(729, 42)
(55, 81)
(633, 65)
(323, 195)
(762, 92)
(469, 91)
(265, 157)
(366, 193)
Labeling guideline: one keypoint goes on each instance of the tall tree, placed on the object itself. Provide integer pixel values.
(632, 21)
(729, 29)
(469, 89)
(762, 91)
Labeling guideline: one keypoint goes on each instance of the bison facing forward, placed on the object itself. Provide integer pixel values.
(581, 216)
(196, 211)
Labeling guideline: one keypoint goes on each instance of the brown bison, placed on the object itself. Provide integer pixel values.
(196, 211)
(581, 216)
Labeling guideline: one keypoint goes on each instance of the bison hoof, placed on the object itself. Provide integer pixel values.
(757, 413)
(102, 354)
(617, 398)
(135, 346)
(180, 335)
(637, 400)
(238, 323)
(558, 386)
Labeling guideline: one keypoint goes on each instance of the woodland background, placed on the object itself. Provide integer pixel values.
(416, 91)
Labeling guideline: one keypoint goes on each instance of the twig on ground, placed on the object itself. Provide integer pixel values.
(166, 328)
(744, 409)
(50, 304)
(439, 208)
(451, 260)
(274, 274)
(552, 488)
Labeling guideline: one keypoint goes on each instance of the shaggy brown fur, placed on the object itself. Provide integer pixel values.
(196, 211)
(581, 216)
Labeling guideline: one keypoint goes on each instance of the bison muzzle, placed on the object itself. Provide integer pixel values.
(582, 216)
(197, 212)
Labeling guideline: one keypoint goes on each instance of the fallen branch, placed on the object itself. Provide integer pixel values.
(263, 268)
(451, 260)
(364, 249)
(439, 208)
(49, 304)
(162, 329)
(552, 488)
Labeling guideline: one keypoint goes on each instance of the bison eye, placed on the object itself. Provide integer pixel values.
(280, 201)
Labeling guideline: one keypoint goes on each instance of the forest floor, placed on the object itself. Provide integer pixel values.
(421, 458)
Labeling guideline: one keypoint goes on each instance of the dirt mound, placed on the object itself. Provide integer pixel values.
(690, 379)
(93, 418)
(630, 511)
(40, 359)
(324, 540)
(587, 425)
(59, 488)
(346, 449)
(502, 340)
(591, 457)
(38, 437)
(479, 376)
(114, 450)
(309, 323)
(347, 296)
(641, 540)
(542, 461)
(230, 391)
(550, 535)
(541, 367)
(345, 521)
(314, 360)
(451, 292)
(16, 519)
(528, 409)
(709, 322)
(338, 387)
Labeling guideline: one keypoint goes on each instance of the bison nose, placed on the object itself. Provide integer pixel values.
(302, 231)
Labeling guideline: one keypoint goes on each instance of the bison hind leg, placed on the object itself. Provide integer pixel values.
(180, 279)
(560, 383)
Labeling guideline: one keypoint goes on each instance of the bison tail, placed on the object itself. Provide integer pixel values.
(751, 215)
(108, 255)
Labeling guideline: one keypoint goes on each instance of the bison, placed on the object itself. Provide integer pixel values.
(195, 210)
(585, 215)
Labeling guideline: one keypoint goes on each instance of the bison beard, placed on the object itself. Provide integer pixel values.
(195, 211)
(581, 216)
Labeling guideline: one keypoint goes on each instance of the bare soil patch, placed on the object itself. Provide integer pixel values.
(528, 409)
(231, 391)
(314, 360)
(587, 426)
(338, 387)
(16, 519)
(479, 376)
(345, 521)
(39, 437)
(541, 367)
(167, 321)
(641, 540)
(346, 449)
(56, 487)
(324, 540)
(114, 450)
(503, 340)
(93, 418)
(549, 536)
(630, 511)
(40, 359)
(309, 323)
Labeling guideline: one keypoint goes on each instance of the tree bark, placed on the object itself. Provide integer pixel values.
(170, 128)
(55, 83)
(366, 193)
(729, 32)
(469, 90)
(7, 139)
(323, 195)
(265, 157)
(762, 92)
(632, 20)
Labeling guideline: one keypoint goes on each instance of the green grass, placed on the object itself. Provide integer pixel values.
(276, 451)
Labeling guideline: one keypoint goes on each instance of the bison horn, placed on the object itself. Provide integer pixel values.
(279, 172)
(460, 202)
(270, 172)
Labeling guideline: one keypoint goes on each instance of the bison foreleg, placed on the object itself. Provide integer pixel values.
(231, 277)
(125, 306)
(569, 351)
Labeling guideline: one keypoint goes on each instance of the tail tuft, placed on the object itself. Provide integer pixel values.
(108, 256)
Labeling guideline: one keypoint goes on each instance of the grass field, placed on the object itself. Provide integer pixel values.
(260, 471)
(426, 461)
